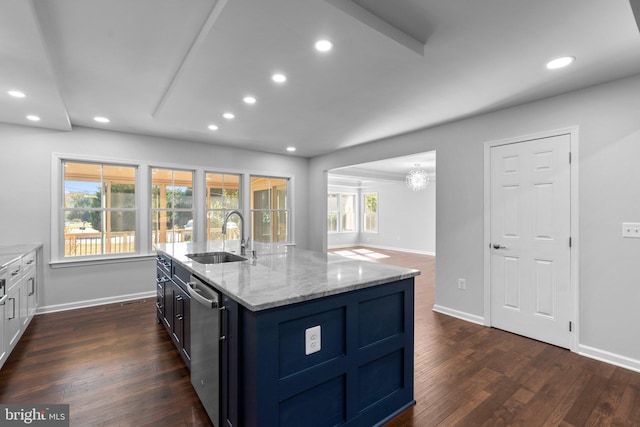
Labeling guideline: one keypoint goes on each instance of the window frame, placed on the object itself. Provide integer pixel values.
(173, 210)
(58, 210)
(206, 210)
(364, 212)
(288, 210)
(143, 200)
(340, 225)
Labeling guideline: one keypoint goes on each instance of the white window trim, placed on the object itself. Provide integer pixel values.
(364, 212)
(195, 203)
(246, 201)
(202, 224)
(356, 217)
(143, 204)
(57, 209)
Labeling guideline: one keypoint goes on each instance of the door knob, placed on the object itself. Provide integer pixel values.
(497, 246)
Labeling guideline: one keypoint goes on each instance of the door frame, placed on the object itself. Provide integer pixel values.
(574, 314)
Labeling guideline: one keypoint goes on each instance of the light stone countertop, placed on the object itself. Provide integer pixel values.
(10, 253)
(283, 274)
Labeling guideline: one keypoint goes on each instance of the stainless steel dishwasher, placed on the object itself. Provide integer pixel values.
(205, 346)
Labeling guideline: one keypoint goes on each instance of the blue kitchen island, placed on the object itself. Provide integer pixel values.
(308, 339)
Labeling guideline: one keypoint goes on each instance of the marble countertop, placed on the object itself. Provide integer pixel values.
(11, 253)
(283, 274)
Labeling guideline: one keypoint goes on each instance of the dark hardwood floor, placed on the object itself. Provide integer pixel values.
(115, 366)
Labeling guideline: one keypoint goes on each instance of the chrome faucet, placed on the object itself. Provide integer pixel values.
(243, 243)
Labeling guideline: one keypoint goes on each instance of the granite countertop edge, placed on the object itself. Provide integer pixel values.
(282, 275)
(12, 253)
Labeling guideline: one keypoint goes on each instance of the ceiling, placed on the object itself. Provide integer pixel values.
(370, 174)
(170, 68)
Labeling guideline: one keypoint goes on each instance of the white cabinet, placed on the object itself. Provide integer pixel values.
(20, 299)
(30, 288)
(3, 305)
(13, 321)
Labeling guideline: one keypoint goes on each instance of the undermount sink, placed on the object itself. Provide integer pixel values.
(215, 257)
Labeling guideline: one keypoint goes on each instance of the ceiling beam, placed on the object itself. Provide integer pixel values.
(375, 22)
(635, 7)
(191, 52)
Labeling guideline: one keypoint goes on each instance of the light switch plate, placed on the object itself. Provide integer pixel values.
(631, 230)
(312, 341)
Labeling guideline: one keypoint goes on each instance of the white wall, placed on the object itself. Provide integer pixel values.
(25, 175)
(406, 218)
(608, 117)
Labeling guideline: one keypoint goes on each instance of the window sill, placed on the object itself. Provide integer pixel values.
(99, 261)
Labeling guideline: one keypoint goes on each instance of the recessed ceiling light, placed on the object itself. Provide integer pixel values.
(228, 116)
(249, 99)
(324, 45)
(279, 78)
(560, 62)
(16, 94)
(212, 127)
(33, 118)
(291, 149)
(101, 119)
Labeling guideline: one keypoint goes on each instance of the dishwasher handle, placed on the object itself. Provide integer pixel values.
(197, 289)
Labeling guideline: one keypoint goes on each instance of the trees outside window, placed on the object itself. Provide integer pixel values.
(223, 195)
(171, 206)
(269, 209)
(370, 212)
(99, 208)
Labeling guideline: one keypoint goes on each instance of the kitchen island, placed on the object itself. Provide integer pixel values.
(308, 338)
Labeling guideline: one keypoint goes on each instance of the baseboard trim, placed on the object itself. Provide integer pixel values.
(583, 350)
(608, 357)
(459, 314)
(94, 302)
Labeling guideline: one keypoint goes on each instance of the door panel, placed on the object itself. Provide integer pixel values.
(530, 230)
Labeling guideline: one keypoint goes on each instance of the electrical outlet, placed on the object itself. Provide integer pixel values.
(313, 340)
(631, 230)
(462, 283)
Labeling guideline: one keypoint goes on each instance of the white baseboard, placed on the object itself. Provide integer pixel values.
(95, 302)
(459, 314)
(608, 357)
(583, 350)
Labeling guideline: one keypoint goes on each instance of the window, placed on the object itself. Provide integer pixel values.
(370, 213)
(348, 212)
(171, 206)
(223, 194)
(341, 212)
(269, 209)
(333, 212)
(99, 208)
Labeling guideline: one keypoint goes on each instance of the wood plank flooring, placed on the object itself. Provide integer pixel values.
(115, 366)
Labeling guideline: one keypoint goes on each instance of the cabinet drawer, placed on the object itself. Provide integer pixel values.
(14, 273)
(3, 283)
(29, 260)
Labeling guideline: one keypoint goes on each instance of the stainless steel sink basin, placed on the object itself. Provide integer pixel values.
(216, 257)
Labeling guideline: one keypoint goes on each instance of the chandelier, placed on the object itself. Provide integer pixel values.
(417, 179)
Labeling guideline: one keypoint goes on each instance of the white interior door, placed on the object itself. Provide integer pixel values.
(530, 222)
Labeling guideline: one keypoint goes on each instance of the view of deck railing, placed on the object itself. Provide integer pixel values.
(82, 243)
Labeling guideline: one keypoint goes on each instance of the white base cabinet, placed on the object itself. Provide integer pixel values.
(19, 296)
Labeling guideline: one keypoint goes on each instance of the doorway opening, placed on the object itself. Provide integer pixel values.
(370, 206)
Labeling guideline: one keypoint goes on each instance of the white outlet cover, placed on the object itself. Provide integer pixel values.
(631, 230)
(312, 340)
